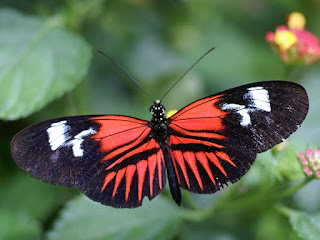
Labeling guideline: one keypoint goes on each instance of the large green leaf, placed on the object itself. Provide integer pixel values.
(306, 225)
(39, 61)
(88, 220)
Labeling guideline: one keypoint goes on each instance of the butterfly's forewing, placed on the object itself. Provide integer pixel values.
(112, 159)
(58, 151)
(215, 140)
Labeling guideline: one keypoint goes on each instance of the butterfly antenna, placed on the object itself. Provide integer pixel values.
(125, 72)
(187, 72)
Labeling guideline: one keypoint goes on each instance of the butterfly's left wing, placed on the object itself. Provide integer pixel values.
(111, 158)
(216, 139)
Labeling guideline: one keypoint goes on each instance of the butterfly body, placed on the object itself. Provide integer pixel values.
(159, 128)
(118, 160)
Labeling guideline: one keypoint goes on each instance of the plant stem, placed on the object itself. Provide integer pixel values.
(285, 210)
(293, 189)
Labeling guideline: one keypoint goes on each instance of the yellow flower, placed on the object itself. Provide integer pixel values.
(285, 39)
(171, 113)
(296, 20)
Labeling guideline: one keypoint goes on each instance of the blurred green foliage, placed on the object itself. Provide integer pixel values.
(49, 68)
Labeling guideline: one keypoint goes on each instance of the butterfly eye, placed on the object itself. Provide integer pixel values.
(163, 107)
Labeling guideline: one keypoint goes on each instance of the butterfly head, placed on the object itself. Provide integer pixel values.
(157, 110)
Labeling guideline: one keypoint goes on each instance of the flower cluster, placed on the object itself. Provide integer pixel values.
(294, 44)
(310, 162)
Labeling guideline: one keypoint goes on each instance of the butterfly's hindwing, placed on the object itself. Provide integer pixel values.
(132, 166)
(205, 164)
(127, 183)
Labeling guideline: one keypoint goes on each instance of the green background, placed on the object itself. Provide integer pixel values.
(49, 67)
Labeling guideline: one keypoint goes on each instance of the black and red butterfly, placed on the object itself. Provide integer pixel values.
(118, 160)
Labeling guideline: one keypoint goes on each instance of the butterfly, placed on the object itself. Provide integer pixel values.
(118, 160)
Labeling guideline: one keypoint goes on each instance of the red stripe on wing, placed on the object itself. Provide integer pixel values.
(201, 108)
(184, 140)
(117, 133)
(119, 177)
(131, 169)
(191, 160)
(152, 163)
(225, 157)
(160, 164)
(205, 164)
(107, 179)
(178, 160)
(213, 158)
(198, 128)
(141, 169)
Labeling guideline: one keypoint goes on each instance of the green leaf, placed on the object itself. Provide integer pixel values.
(15, 226)
(306, 225)
(88, 220)
(40, 61)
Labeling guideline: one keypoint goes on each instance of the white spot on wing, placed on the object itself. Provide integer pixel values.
(258, 98)
(58, 134)
(241, 110)
(77, 141)
(59, 137)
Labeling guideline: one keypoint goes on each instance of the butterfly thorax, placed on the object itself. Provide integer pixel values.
(159, 123)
